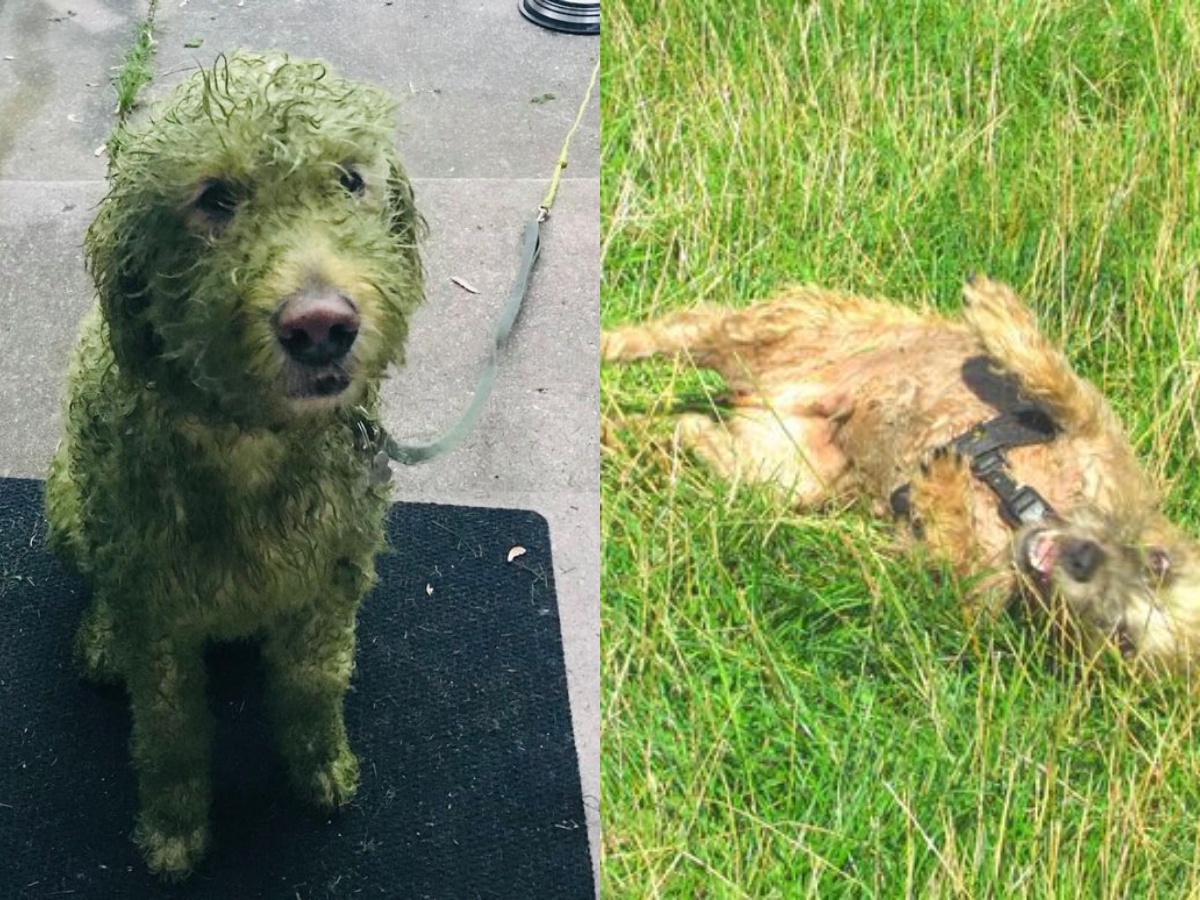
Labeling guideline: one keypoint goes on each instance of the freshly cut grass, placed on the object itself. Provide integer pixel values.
(791, 707)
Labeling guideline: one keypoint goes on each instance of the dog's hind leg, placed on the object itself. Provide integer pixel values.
(94, 644)
(62, 510)
(1011, 337)
(691, 331)
(793, 454)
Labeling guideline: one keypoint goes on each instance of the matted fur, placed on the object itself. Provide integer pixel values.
(835, 396)
(203, 491)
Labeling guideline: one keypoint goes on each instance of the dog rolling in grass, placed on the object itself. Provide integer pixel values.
(1005, 463)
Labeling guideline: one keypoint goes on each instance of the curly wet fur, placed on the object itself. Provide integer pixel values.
(202, 495)
(835, 395)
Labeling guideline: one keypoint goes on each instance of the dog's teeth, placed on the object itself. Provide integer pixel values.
(1042, 554)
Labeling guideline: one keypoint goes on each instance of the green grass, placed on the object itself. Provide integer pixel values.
(791, 707)
(137, 69)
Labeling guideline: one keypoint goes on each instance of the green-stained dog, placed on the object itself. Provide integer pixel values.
(255, 261)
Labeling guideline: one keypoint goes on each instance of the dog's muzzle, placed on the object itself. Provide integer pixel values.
(316, 332)
(1044, 550)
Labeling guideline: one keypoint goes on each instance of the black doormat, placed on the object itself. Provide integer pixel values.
(458, 712)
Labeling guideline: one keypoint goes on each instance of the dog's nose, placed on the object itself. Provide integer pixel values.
(1081, 558)
(317, 330)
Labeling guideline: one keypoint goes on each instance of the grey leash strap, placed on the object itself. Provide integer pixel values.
(410, 454)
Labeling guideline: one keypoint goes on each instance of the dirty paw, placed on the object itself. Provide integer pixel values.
(945, 459)
(332, 784)
(169, 853)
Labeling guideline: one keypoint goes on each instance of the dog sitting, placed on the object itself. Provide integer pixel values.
(255, 262)
(1008, 465)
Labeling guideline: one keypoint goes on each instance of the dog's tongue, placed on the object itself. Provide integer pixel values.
(1043, 553)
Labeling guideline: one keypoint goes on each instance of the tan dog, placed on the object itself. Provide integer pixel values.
(1005, 462)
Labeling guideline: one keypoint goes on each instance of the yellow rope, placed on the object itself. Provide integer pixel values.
(544, 209)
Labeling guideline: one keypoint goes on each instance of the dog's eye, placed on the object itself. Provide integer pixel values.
(352, 181)
(1158, 561)
(217, 201)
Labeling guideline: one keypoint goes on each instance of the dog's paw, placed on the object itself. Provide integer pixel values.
(171, 854)
(332, 784)
(97, 664)
(943, 461)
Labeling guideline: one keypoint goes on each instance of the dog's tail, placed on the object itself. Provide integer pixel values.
(817, 315)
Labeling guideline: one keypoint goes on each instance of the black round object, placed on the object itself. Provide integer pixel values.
(562, 15)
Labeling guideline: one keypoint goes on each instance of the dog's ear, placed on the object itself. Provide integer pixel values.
(123, 292)
(142, 342)
(405, 222)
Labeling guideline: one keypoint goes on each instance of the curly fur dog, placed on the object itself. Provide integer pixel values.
(255, 262)
(1010, 466)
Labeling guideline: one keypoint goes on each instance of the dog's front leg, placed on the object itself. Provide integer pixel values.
(309, 661)
(172, 733)
(945, 519)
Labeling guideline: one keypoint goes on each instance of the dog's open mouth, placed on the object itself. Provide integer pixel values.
(303, 383)
(1038, 553)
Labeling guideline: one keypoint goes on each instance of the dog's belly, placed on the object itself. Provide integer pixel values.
(899, 401)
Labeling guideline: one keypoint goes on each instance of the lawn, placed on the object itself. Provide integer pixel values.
(791, 707)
